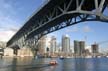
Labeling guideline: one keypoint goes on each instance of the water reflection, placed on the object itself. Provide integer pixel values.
(80, 64)
(30, 64)
(14, 63)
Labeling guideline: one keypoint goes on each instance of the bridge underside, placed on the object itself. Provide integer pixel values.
(57, 14)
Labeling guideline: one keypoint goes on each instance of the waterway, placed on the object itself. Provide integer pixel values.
(42, 64)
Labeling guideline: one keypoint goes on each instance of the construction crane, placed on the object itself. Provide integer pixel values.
(105, 51)
(103, 42)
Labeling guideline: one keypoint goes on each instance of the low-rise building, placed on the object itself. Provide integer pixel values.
(8, 52)
(24, 52)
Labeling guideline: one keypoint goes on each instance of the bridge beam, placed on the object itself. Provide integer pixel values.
(64, 10)
(58, 14)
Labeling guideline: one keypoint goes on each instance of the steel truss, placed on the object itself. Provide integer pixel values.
(81, 15)
(65, 15)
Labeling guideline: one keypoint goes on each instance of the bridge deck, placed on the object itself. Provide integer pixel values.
(88, 5)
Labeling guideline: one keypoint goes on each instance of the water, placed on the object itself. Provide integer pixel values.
(70, 64)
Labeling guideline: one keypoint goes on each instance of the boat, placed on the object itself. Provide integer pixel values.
(61, 57)
(53, 62)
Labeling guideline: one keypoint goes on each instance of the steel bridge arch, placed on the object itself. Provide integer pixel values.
(78, 14)
(35, 40)
(96, 15)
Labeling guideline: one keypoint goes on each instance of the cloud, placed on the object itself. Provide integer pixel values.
(84, 29)
(87, 29)
(8, 24)
(52, 35)
(14, 29)
(6, 35)
(74, 29)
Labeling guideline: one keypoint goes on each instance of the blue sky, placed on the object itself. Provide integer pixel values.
(14, 13)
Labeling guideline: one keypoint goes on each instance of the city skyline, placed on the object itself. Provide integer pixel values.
(13, 14)
(53, 35)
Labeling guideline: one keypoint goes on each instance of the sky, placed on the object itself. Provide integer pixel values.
(14, 14)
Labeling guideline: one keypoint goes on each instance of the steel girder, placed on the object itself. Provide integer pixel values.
(63, 14)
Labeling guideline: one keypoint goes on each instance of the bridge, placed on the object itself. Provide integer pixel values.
(54, 15)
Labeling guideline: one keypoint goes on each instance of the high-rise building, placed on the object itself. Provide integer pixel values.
(41, 45)
(48, 45)
(79, 47)
(95, 48)
(53, 45)
(82, 47)
(65, 44)
(76, 47)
